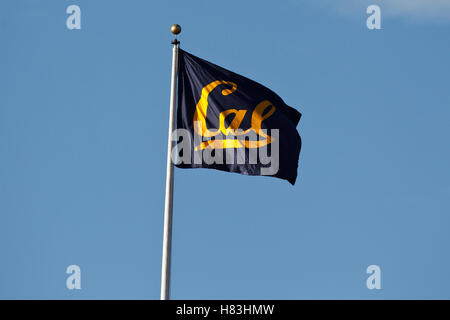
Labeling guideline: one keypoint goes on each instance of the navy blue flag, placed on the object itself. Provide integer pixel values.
(231, 123)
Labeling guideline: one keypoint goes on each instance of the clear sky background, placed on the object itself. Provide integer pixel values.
(83, 137)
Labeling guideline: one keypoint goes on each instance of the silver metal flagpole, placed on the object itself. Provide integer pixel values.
(168, 210)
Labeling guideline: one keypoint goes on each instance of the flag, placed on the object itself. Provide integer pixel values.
(228, 122)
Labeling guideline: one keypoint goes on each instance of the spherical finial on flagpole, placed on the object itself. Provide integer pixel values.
(175, 29)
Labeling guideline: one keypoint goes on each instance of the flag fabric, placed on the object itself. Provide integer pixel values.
(231, 123)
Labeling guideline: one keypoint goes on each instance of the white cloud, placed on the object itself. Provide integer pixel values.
(425, 9)
(434, 10)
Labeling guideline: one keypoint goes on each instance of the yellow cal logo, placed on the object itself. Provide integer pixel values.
(233, 129)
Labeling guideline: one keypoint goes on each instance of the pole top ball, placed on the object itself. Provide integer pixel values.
(175, 29)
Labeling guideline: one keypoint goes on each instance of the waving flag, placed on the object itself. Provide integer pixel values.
(232, 123)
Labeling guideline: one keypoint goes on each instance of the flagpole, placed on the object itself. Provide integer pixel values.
(168, 207)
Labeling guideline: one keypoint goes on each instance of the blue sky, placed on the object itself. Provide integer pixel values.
(83, 125)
